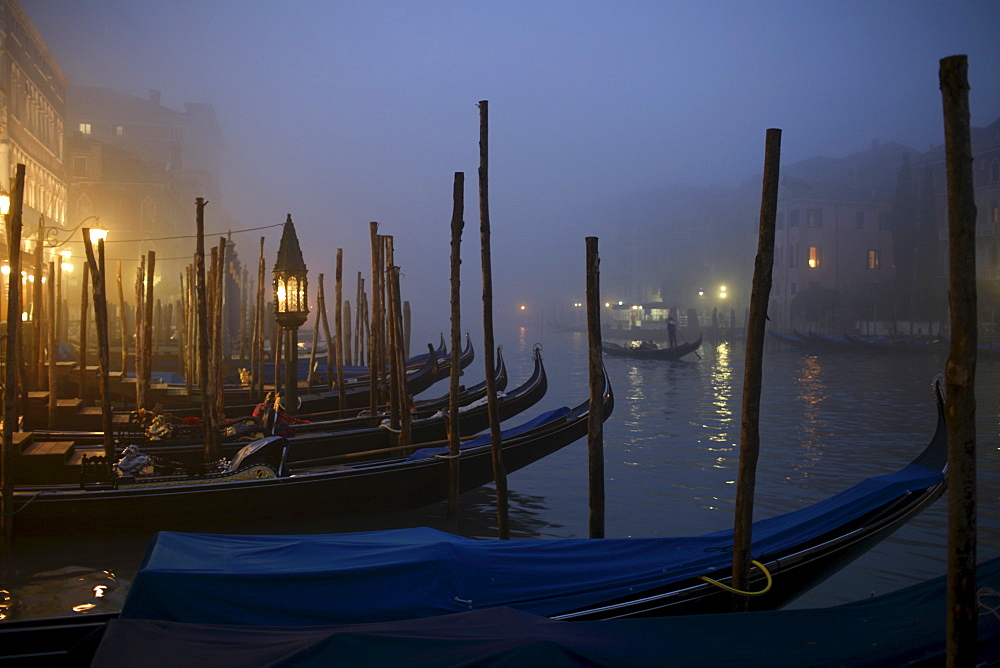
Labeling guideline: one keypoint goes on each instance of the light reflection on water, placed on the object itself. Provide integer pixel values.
(671, 456)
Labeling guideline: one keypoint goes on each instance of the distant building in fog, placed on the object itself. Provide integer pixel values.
(833, 248)
(139, 166)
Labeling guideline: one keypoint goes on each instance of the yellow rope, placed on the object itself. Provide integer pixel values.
(738, 591)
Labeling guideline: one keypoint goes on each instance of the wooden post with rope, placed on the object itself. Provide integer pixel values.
(750, 424)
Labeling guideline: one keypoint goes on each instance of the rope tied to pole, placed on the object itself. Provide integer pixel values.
(741, 592)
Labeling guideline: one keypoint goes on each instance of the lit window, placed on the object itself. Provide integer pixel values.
(119, 130)
(813, 257)
(874, 259)
(85, 128)
(995, 212)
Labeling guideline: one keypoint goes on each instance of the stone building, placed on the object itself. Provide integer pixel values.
(138, 166)
(32, 120)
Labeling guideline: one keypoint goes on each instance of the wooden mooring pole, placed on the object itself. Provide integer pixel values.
(595, 418)
(212, 450)
(101, 320)
(750, 424)
(51, 346)
(499, 472)
(82, 356)
(12, 345)
(338, 322)
(457, 225)
(960, 369)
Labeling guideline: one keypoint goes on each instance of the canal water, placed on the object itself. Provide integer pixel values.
(828, 421)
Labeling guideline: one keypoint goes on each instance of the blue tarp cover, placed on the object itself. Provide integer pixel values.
(422, 572)
(903, 628)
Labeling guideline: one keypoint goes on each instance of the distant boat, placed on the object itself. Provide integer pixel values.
(650, 351)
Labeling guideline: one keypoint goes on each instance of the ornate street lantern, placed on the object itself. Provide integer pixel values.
(291, 305)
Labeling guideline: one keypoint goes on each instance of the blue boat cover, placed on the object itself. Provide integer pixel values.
(389, 575)
(904, 628)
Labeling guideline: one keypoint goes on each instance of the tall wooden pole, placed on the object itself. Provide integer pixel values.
(218, 344)
(317, 326)
(338, 321)
(395, 390)
(358, 320)
(140, 331)
(374, 344)
(454, 442)
(499, 472)
(595, 418)
(960, 370)
(84, 301)
(750, 428)
(147, 329)
(212, 450)
(10, 376)
(101, 320)
(37, 317)
(258, 372)
(51, 347)
(405, 400)
(190, 349)
(123, 318)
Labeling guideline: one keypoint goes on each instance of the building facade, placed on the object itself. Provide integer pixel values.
(32, 119)
(138, 166)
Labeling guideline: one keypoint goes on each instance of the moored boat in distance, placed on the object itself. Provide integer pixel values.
(650, 351)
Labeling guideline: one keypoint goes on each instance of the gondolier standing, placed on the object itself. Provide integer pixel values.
(672, 330)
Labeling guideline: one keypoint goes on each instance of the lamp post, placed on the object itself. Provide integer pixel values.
(291, 306)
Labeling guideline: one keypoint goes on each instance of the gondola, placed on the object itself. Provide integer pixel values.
(237, 400)
(138, 431)
(574, 579)
(651, 352)
(905, 627)
(175, 393)
(897, 345)
(314, 442)
(432, 368)
(260, 485)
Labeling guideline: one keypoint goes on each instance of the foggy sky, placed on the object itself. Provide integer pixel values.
(342, 113)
